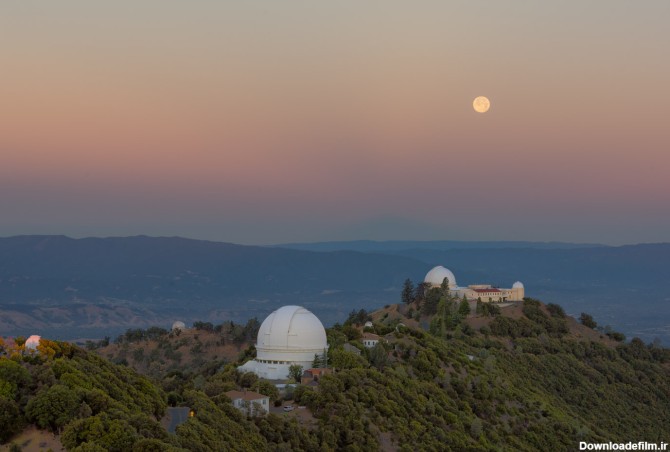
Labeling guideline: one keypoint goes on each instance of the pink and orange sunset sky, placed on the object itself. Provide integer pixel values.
(273, 121)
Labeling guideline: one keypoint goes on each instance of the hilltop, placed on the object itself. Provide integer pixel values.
(157, 351)
(522, 377)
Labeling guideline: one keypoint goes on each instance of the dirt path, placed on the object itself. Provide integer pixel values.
(34, 440)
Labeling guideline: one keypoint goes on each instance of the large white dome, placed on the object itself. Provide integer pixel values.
(517, 285)
(291, 333)
(437, 275)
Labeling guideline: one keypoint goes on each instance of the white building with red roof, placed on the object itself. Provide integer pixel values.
(484, 292)
(249, 402)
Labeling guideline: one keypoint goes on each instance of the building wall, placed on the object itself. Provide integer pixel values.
(512, 294)
(289, 355)
(272, 370)
(255, 407)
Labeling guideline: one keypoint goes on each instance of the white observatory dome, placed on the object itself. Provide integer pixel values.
(517, 285)
(290, 335)
(178, 325)
(437, 275)
(32, 342)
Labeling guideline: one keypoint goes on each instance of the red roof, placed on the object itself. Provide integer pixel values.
(486, 290)
(246, 395)
(318, 371)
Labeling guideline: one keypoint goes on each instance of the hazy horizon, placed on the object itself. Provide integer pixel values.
(271, 244)
(271, 122)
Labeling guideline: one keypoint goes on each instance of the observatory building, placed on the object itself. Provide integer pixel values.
(32, 342)
(483, 292)
(290, 335)
(178, 325)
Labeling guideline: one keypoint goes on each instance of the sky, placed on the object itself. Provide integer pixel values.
(263, 122)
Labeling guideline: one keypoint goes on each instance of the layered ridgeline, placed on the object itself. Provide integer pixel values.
(67, 288)
(445, 375)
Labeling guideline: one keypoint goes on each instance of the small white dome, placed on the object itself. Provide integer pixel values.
(178, 325)
(517, 285)
(32, 342)
(437, 275)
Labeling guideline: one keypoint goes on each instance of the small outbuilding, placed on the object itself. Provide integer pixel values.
(370, 340)
(249, 402)
(311, 375)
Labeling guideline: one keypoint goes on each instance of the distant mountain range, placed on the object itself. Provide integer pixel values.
(386, 246)
(89, 287)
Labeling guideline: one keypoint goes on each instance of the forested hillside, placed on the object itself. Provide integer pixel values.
(445, 376)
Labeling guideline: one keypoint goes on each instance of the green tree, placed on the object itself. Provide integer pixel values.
(53, 407)
(248, 379)
(476, 428)
(99, 433)
(440, 322)
(342, 359)
(488, 309)
(407, 295)
(10, 419)
(587, 320)
(12, 377)
(203, 326)
(445, 286)
(351, 332)
(378, 356)
(431, 300)
(295, 372)
(556, 310)
(316, 362)
(266, 388)
(138, 355)
(420, 290)
(464, 307)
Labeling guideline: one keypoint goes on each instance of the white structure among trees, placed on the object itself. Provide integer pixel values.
(436, 276)
(290, 335)
(32, 342)
(250, 403)
(483, 292)
(178, 325)
(370, 340)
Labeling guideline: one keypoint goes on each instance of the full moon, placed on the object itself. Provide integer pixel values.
(481, 104)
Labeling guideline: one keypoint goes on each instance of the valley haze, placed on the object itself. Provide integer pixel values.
(86, 288)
